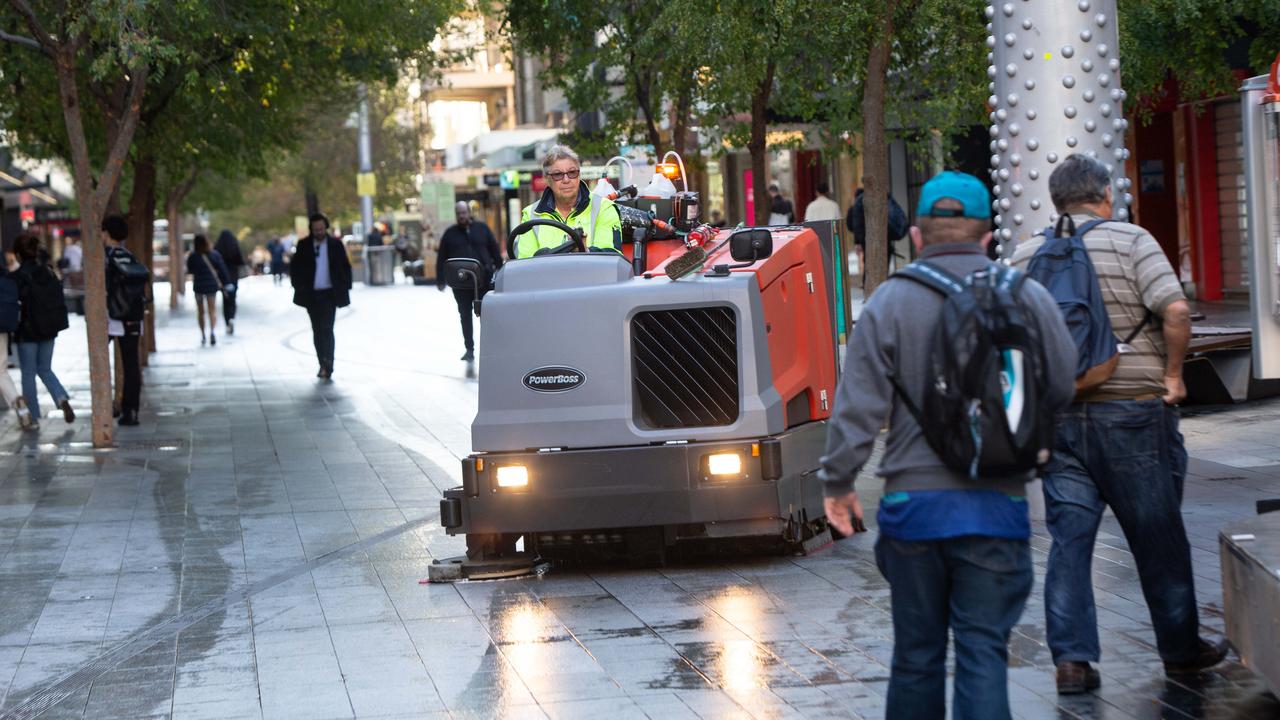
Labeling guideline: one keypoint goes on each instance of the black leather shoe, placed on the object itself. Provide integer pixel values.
(1077, 677)
(129, 417)
(469, 356)
(1210, 654)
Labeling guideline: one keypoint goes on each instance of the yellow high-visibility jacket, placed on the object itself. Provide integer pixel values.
(594, 215)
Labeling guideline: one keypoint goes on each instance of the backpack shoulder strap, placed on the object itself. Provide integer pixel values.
(932, 277)
(1009, 278)
(1089, 226)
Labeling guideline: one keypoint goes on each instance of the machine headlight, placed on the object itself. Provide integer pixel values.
(722, 464)
(510, 476)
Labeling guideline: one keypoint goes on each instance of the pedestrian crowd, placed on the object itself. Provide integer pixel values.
(1011, 388)
(1085, 400)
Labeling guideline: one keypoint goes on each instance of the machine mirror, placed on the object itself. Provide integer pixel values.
(751, 245)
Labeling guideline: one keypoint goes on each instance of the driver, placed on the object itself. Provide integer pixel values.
(568, 200)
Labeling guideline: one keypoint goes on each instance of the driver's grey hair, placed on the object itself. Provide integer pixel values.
(1079, 180)
(558, 153)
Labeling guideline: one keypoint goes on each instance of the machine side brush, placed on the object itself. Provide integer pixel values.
(696, 256)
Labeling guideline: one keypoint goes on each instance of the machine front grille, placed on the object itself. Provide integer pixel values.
(685, 367)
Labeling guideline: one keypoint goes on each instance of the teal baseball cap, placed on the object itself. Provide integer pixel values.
(961, 187)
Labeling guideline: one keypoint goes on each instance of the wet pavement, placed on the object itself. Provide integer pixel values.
(255, 550)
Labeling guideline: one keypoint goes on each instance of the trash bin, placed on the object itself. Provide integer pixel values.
(379, 265)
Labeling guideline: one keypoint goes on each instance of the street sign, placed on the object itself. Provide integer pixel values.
(366, 184)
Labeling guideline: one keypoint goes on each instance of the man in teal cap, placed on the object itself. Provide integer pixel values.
(954, 548)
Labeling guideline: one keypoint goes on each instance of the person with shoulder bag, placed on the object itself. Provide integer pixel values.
(128, 294)
(209, 275)
(43, 314)
(1117, 445)
(9, 315)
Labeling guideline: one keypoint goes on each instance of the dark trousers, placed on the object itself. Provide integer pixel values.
(1127, 455)
(974, 586)
(229, 304)
(131, 364)
(464, 299)
(322, 310)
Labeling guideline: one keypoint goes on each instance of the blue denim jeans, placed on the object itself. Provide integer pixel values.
(1127, 455)
(36, 359)
(974, 586)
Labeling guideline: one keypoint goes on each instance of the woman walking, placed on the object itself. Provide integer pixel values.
(208, 275)
(229, 248)
(43, 315)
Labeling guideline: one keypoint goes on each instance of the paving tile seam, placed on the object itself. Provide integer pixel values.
(417, 651)
(70, 683)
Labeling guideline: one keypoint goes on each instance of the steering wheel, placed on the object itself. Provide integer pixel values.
(575, 236)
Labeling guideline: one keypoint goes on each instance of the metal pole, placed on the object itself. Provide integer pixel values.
(366, 155)
(1055, 91)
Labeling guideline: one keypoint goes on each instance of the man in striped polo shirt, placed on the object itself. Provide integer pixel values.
(1118, 445)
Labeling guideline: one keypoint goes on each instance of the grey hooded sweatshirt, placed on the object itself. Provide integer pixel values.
(894, 333)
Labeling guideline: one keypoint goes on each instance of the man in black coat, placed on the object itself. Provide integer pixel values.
(471, 239)
(321, 277)
(856, 222)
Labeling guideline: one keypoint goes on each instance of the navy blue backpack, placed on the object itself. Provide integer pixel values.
(9, 306)
(1063, 267)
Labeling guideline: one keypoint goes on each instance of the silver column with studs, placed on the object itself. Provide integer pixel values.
(1055, 91)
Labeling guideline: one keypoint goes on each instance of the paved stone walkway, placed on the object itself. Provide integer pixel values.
(255, 550)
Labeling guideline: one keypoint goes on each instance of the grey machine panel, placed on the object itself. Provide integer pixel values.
(1250, 554)
(571, 314)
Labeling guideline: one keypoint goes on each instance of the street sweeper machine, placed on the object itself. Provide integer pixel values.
(632, 404)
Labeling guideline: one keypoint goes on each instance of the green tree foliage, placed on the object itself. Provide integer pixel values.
(324, 163)
(1197, 43)
(619, 57)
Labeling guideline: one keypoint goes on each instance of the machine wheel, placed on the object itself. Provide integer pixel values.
(491, 546)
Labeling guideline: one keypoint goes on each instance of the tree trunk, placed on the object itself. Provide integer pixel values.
(176, 280)
(173, 212)
(92, 199)
(141, 217)
(756, 145)
(95, 289)
(875, 176)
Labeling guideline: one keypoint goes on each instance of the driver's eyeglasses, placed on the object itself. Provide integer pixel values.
(566, 175)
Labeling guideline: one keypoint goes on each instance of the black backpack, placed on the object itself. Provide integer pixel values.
(44, 306)
(983, 405)
(127, 283)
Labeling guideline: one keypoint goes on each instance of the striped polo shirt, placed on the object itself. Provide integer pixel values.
(1134, 276)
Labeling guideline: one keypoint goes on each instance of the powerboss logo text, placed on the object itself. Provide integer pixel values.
(554, 379)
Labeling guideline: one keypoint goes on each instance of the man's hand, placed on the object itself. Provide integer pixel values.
(845, 513)
(1175, 390)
